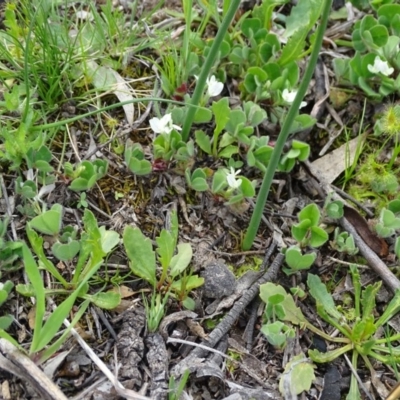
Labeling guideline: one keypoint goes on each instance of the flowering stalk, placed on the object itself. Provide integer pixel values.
(205, 71)
(293, 110)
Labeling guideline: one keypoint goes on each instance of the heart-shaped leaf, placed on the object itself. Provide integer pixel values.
(49, 222)
(297, 261)
(66, 251)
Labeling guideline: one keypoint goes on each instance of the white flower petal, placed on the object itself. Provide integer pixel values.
(231, 179)
(380, 66)
(84, 15)
(214, 87)
(163, 125)
(289, 96)
(155, 125)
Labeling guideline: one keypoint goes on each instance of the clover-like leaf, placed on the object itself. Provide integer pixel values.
(300, 230)
(334, 209)
(275, 334)
(298, 261)
(49, 222)
(66, 251)
(310, 212)
(318, 236)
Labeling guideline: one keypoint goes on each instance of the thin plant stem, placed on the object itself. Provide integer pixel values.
(205, 71)
(293, 110)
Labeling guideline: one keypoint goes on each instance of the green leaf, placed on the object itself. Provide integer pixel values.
(32, 271)
(140, 253)
(26, 290)
(49, 351)
(254, 113)
(304, 14)
(109, 239)
(379, 34)
(334, 209)
(199, 184)
(319, 292)
(6, 321)
(66, 251)
(247, 187)
(318, 236)
(221, 113)
(368, 299)
(300, 230)
(203, 141)
(181, 260)
(296, 261)
(37, 245)
(219, 181)
(392, 308)
(273, 333)
(57, 317)
(105, 300)
(329, 356)
(193, 282)
(294, 47)
(293, 313)
(310, 212)
(389, 219)
(189, 304)
(237, 119)
(297, 376)
(250, 26)
(363, 330)
(202, 115)
(49, 222)
(304, 149)
(228, 151)
(166, 248)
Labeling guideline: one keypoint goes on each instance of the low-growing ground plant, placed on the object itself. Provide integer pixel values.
(174, 276)
(359, 327)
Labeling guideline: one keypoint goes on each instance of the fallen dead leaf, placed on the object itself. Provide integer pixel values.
(331, 165)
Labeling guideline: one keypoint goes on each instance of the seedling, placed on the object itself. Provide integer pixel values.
(307, 232)
(375, 41)
(299, 151)
(142, 261)
(344, 243)
(388, 223)
(334, 209)
(94, 243)
(134, 159)
(197, 179)
(85, 174)
(298, 261)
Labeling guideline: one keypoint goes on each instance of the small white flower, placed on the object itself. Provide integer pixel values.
(214, 87)
(84, 15)
(231, 179)
(380, 67)
(163, 125)
(289, 95)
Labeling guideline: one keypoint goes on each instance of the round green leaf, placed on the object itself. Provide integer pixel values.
(66, 251)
